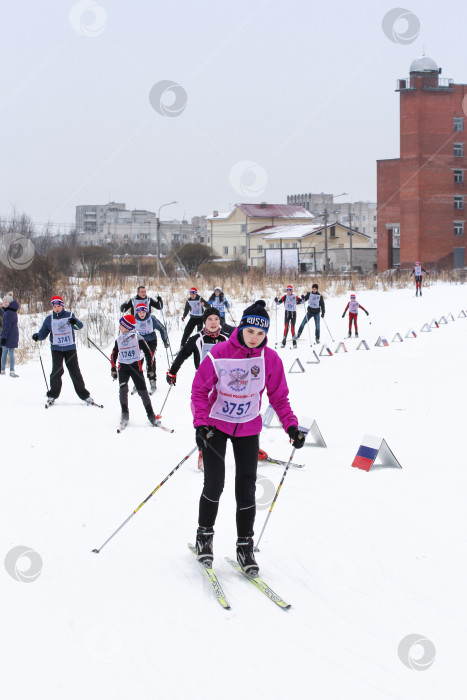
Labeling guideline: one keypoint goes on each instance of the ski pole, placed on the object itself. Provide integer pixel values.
(168, 339)
(165, 401)
(276, 326)
(98, 348)
(195, 449)
(233, 320)
(328, 330)
(256, 549)
(307, 321)
(43, 371)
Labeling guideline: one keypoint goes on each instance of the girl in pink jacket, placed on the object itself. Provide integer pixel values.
(225, 402)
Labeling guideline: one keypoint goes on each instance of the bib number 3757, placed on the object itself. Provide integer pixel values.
(236, 409)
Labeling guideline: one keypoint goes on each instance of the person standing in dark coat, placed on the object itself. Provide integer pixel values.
(61, 326)
(10, 336)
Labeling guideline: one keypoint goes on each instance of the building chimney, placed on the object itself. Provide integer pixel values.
(264, 204)
(215, 213)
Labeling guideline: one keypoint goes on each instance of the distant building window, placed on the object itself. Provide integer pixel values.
(201, 239)
(243, 228)
(278, 245)
(458, 228)
(374, 218)
(458, 176)
(332, 231)
(459, 202)
(176, 236)
(235, 250)
(243, 249)
(458, 150)
(226, 250)
(294, 245)
(260, 249)
(374, 229)
(458, 123)
(271, 245)
(287, 245)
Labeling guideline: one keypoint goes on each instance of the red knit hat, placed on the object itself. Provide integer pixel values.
(193, 290)
(57, 300)
(289, 286)
(141, 306)
(128, 322)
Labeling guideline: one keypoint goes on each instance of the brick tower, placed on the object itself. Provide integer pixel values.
(422, 194)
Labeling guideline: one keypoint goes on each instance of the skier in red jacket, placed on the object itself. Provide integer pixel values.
(353, 306)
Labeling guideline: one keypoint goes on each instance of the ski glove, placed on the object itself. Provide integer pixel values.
(202, 433)
(171, 378)
(35, 337)
(367, 313)
(122, 308)
(72, 320)
(303, 297)
(322, 315)
(343, 314)
(159, 300)
(276, 299)
(114, 373)
(297, 438)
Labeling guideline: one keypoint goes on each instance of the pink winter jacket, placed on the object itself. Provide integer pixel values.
(204, 392)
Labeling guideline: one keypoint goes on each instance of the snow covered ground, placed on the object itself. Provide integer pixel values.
(366, 559)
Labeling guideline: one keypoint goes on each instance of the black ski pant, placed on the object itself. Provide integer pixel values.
(135, 372)
(290, 318)
(71, 361)
(245, 451)
(190, 326)
(311, 314)
(152, 344)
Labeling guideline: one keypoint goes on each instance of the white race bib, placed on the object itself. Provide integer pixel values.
(239, 387)
(313, 301)
(418, 270)
(61, 332)
(290, 302)
(353, 307)
(136, 300)
(144, 327)
(128, 348)
(196, 308)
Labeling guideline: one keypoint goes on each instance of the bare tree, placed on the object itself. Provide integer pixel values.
(92, 258)
(192, 256)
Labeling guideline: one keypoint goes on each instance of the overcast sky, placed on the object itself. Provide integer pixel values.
(275, 97)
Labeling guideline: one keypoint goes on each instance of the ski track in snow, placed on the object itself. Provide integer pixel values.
(364, 558)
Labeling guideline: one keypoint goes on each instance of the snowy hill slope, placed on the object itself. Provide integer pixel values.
(365, 558)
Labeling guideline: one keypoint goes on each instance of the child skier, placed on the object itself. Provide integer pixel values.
(225, 402)
(61, 326)
(219, 302)
(353, 306)
(146, 326)
(199, 345)
(290, 301)
(315, 304)
(127, 353)
(194, 307)
(417, 271)
(141, 296)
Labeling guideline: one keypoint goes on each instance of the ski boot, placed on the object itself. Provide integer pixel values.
(283, 343)
(245, 556)
(350, 335)
(420, 292)
(50, 401)
(294, 343)
(153, 385)
(3, 371)
(356, 334)
(125, 417)
(152, 418)
(14, 375)
(204, 546)
(317, 340)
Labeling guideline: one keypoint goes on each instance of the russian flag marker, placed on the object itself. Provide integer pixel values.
(364, 344)
(381, 342)
(450, 317)
(411, 333)
(340, 346)
(371, 449)
(462, 314)
(300, 367)
(434, 323)
(425, 328)
(325, 351)
(442, 320)
(313, 359)
(397, 337)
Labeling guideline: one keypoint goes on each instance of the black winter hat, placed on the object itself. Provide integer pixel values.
(255, 316)
(210, 311)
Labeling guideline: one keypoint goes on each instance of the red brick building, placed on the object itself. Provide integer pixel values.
(422, 196)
